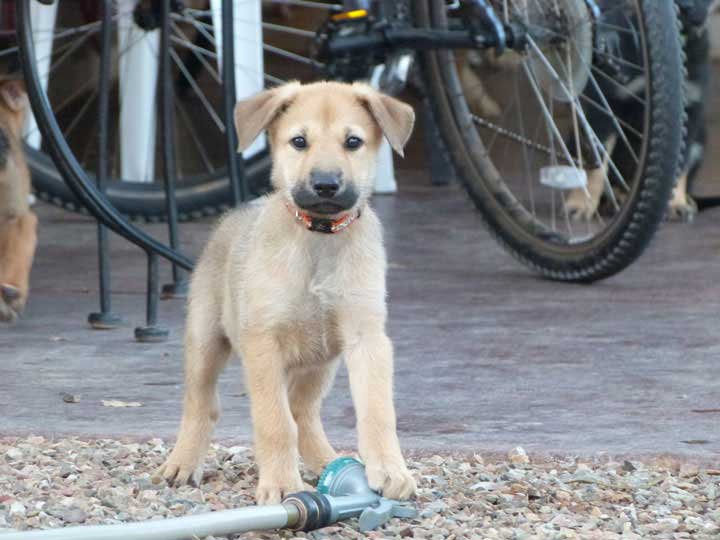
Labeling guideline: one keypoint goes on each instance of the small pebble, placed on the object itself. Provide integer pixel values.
(13, 454)
(518, 456)
(74, 515)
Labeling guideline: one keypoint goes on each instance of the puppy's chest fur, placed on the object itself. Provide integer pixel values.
(309, 333)
(297, 299)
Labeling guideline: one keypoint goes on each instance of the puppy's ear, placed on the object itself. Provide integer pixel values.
(395, 118)
(12, 93)
(256, 113)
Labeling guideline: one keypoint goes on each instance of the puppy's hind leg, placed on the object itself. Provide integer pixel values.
(307, 388)
(682, 206)
(581, 204)
(206, 353)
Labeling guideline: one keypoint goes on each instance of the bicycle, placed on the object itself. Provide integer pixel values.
(551, 69)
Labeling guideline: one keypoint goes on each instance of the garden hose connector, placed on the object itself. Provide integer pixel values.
(343, 492)
(313, 510)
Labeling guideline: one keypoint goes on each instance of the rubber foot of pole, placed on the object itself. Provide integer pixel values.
(178, 289)
(104, 320)
(151, 334)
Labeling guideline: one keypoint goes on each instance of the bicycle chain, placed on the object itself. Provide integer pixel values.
(513, 136)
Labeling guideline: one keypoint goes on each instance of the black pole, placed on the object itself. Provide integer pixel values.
(151, 332)
(166, 96)
(236, 164)
(104, 319)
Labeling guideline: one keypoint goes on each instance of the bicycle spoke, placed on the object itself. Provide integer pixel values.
(498, 130)
(546, 113)
(621, 125)
(289, 30)
(194, 135)
(193, 48)
(526, 159)
(623, 88)
(292, 56)
(306, 3)
(78, 116)
(198, 92)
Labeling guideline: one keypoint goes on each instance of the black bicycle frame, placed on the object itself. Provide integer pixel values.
(492, 34)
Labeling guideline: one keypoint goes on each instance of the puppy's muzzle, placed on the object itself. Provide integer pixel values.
(325, 193)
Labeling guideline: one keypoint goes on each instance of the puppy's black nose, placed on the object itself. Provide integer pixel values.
(325, 184)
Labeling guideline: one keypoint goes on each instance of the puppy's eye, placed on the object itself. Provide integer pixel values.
(299, 142)
(353, 143)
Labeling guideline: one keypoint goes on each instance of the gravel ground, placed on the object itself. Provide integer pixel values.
(52, 483)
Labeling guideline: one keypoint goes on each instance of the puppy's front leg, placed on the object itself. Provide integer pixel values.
(206, 353)
(276, 437)
(369, 358)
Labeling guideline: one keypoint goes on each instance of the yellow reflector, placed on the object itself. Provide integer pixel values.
(354, 14)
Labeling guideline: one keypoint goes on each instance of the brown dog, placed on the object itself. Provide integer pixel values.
(18, 224)
(274, 288)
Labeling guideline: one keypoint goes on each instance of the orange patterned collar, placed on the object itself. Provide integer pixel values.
(322, 225)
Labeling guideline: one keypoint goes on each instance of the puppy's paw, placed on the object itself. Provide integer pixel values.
(682, 207)
(12, 302)
(274, 490)
(180, 468)
(580, 206)
(390, 477)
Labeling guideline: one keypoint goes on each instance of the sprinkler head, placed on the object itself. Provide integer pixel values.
(344, 476)
(343, 492)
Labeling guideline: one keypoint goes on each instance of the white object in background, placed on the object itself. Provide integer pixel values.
(43, 24)
(563, 177)
(385, 182)
(248, 42)
(138, 66)
(714, 31)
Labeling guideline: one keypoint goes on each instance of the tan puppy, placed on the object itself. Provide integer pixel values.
(290, 300)
(18, 225)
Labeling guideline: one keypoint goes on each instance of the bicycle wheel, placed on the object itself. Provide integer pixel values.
(568, 146)
(68, 66)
